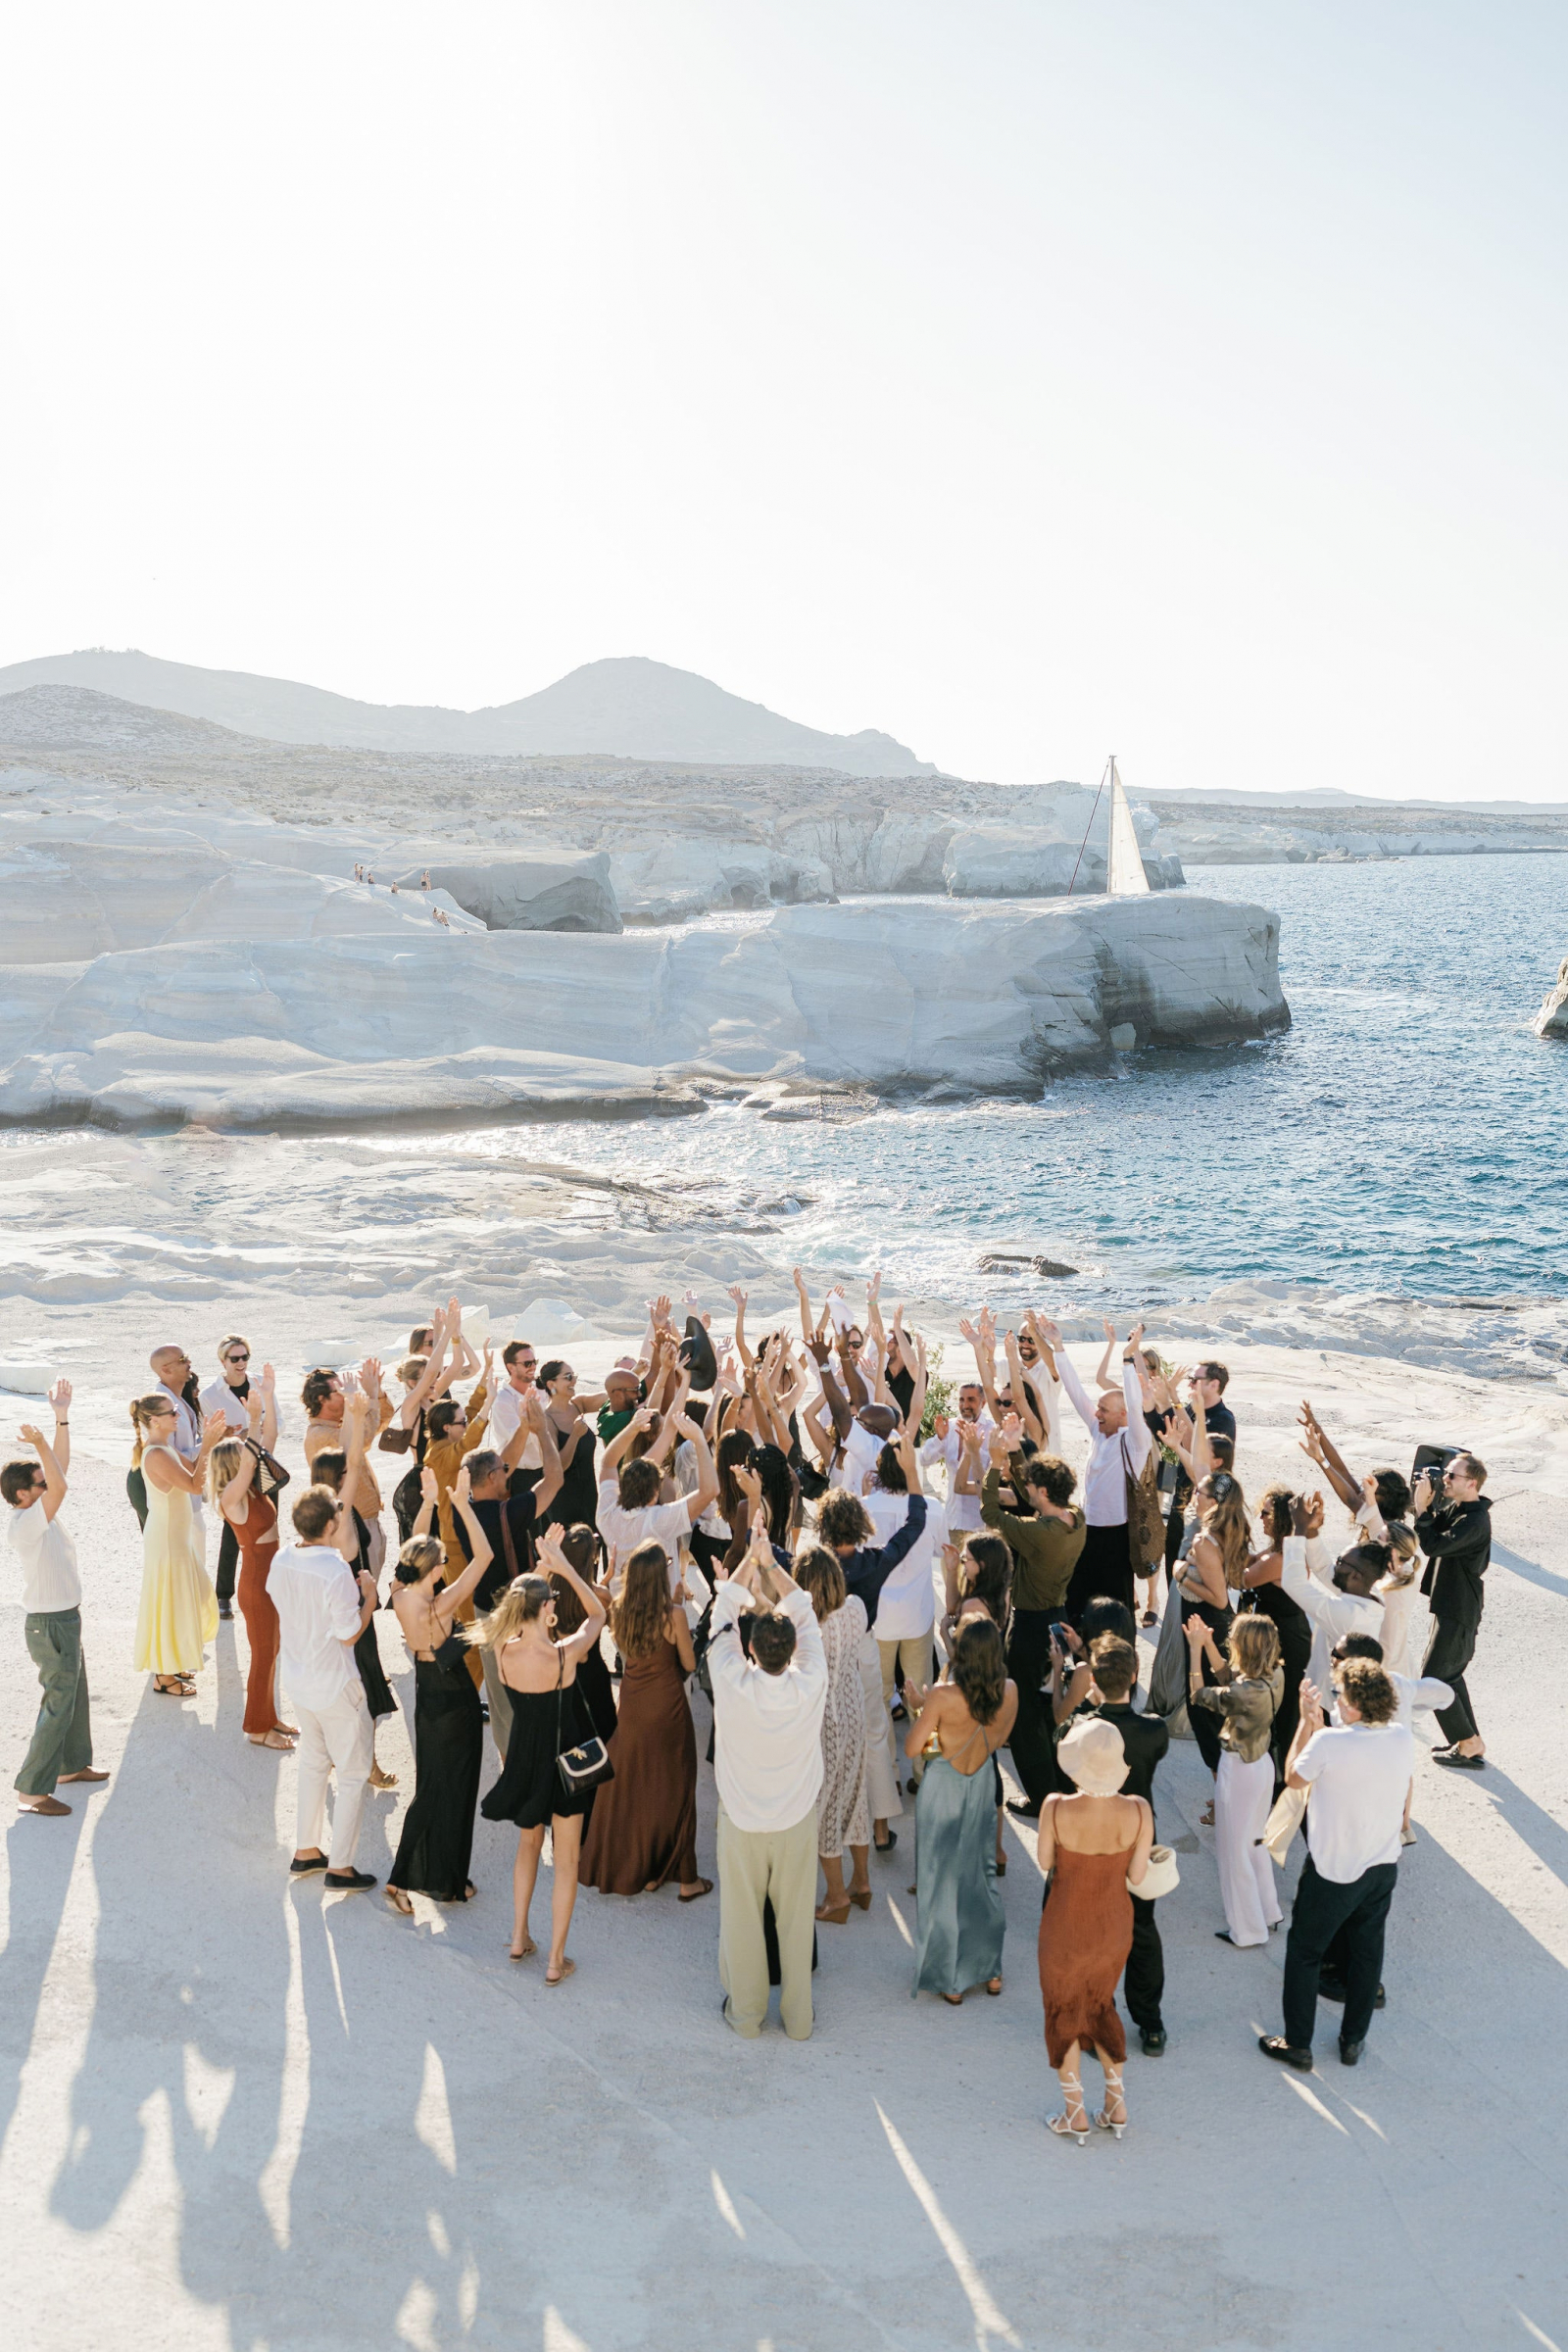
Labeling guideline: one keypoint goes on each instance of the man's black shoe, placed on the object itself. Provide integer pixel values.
(348, 1881)
(226, 1608)
(1275, 2045)
(1153, 2039)
(303, 1865)
(1023, 1809)
(1350, 2051)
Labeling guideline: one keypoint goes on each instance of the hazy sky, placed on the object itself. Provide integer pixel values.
(1027, 377)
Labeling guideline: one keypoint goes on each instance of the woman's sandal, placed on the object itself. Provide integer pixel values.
(527, 1952)
(1149, 1618)
(1062, 2125)
(569, 1968)
(861, 1897)
(892, 1842)
(954, 2001)
(1206, 1819)
(290, 1731)
(834, 1915)
(702, 1888)
(1104, 2120)
(992, 1985)
(1001, 1866)
(271, 1739)
(399, 1901)
(176, 1687)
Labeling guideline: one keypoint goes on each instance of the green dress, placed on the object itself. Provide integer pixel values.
(960, 1916)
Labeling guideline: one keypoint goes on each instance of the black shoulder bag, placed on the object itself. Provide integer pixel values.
(583, 1767)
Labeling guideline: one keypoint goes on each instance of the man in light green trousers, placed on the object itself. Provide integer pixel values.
(60, 1748)
(767, 1761)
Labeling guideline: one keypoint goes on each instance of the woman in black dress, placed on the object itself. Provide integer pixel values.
(1263, 1596)
(585, 1548)
(577, 1503)
(541, 1674)
(433, 1852)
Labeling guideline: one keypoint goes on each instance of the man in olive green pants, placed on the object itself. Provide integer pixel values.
(60, 1748)
(767, 1761)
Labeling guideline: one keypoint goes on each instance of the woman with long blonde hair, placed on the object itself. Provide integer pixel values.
(643, 1828)
(540, 1673)
(253, 1518)
(179, 1611)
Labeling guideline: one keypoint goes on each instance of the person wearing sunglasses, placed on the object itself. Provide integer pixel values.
(229, 1395)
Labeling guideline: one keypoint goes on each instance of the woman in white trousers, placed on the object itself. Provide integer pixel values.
(1247, 1690)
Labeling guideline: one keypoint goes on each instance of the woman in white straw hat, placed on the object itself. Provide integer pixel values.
(1096, 1844)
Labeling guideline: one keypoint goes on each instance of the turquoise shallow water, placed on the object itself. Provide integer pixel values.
(1405, 1136)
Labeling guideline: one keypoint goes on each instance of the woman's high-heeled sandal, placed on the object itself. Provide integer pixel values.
(1062, 2125)
(1113, 2094)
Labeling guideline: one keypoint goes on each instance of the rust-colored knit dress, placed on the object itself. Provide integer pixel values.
(1086, 1933)
(261, 1617)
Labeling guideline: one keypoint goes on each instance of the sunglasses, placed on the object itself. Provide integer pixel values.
(238, 1355)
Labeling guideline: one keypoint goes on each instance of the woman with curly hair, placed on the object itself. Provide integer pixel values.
(643, 1828)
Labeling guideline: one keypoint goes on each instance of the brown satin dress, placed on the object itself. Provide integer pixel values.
(643, 1828)
(1086, 1933)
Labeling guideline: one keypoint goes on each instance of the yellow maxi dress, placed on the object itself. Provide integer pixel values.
(178, 1612)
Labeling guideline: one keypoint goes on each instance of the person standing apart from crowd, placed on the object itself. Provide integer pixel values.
(1119, 1447)
(1245, 1693)
(61, 1747)
(1358, 1772)
(253, 1518)
(230, 1394)
(960, 1726)
(1095, 1845)
(322, 1613)
(540, 1673)
(767, 1711)
(1453, 1528)
(178, 1612)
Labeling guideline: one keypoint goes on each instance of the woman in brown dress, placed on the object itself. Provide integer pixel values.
(643, 1828)
(1095, 1842)
(231, 1485)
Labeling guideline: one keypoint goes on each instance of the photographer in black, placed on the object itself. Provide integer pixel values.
(1453, 1528)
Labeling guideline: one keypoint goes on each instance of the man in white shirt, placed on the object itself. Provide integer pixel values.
(907, 1605)
(631, 1511)
(60, 1748)
(509, 1410)
(1358, 1770)
(322, 1613)
(1120, 1445)
(767, 1762)
(1345, 1605)
(946, 1448)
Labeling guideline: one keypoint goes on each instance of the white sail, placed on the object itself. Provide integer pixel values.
(1124, 863)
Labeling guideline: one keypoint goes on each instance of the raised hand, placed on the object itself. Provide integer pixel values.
(270, 1379)
(60, 1398)
(31, 1435)
(213, 1427)
(740, 1297)
(1108, 1328)
(797, 1278)
(429, 1491)
(255, 1411)
(461, 1486)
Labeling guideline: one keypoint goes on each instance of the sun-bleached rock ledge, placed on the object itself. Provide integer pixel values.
(418, 1021)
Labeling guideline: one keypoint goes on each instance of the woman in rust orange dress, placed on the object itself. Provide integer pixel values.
(231, 1485)
(1094, 1843)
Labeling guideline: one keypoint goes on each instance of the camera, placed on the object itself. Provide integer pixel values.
(1432, 1461)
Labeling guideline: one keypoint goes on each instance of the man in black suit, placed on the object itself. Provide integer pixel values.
(1146, 1738)
(1453, 1528)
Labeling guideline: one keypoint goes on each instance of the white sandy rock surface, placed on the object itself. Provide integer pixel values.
(240, 2113)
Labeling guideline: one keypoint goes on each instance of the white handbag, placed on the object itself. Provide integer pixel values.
(1160, 1874)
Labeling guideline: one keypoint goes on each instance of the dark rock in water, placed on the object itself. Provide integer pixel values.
(1011, 1261)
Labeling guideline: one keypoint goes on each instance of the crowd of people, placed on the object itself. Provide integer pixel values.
(876, 1579)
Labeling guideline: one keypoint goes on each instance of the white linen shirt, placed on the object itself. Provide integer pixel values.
(219, 1398)
(907, 1608)
(506, 1411)
(187, 1429)
(962, 1510)
(1109, 1458)
(666, 1523)
(767, 1753)
(48, 1560)
(1359, 1774)
(318, 1603)
(1334, 1613)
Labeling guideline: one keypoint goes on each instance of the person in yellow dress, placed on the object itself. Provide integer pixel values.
(178, 1612)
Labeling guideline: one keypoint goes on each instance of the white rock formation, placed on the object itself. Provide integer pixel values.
(414, 1021)
(1552, 1018)
(526, 890)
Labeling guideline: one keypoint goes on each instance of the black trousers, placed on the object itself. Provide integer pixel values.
(1352, 1917)
(1448, 1652)
(1033, 1742)
(227, 1560)
(1105, 1565)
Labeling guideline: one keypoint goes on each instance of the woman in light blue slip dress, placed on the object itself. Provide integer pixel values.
(961, 1723)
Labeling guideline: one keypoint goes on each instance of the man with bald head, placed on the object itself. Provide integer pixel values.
(175, 1376)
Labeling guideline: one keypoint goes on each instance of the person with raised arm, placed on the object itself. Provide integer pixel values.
(767, 1712)
(251, 1518)
(361, 1543)
(178, 1615)
(960, 1726)
(61, 1747)
(642, 1829)
(230, 1394)
(1047, 1540)
(1119, 1448)
(437, 1841)
(630, 1510)
(322, 1613)
(547, 1720)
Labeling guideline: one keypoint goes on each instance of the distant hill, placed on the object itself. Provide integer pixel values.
(629, 707)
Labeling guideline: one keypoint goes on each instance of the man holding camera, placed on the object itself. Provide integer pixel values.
(1453, 1528)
